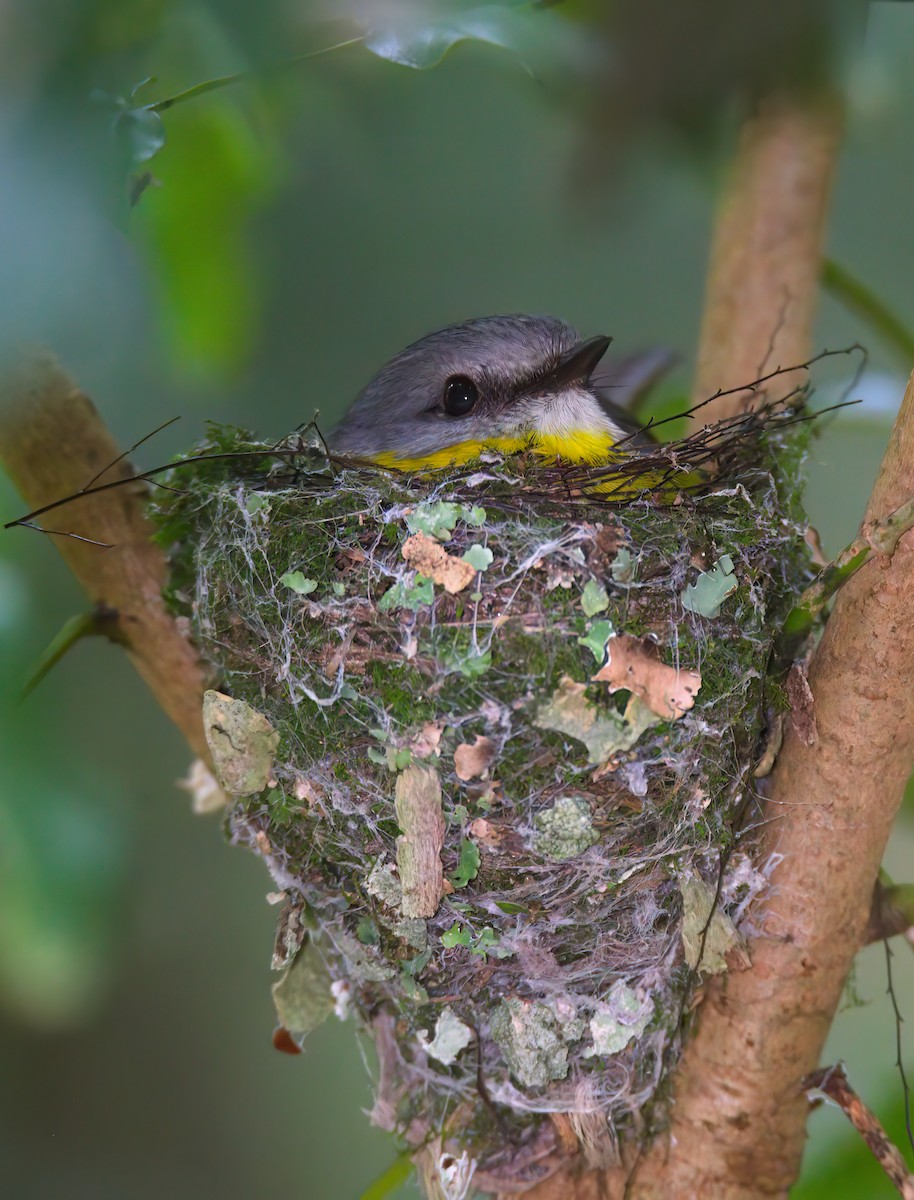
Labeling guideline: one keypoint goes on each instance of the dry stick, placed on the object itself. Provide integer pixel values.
(52, 442)
(766, 254)
(833, 1083)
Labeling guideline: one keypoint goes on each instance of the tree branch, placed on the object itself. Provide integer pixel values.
(51, 442)
(740, 1114)
(763, 278)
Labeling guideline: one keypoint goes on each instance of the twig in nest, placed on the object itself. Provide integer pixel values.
(665, 472)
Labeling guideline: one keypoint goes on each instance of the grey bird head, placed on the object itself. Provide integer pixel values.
(492, 380)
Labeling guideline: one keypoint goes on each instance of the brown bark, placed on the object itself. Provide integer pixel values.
(763, 278)
(51, 442)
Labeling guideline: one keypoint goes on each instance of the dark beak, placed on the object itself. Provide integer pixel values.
(576, 365)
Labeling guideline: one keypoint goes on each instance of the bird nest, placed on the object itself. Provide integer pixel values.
(493, 732)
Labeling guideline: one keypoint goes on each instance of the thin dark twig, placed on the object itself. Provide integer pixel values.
(77, 537)
(778, 326)
(166, 487)
(898, 1059)
(223, 81)
(129, 450)
(725, 443)
(141, 476)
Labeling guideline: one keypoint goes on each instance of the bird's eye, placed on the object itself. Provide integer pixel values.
(460, 396)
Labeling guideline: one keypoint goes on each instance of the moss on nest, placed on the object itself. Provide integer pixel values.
(575, 817)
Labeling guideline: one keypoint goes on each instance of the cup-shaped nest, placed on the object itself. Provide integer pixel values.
(495, 741)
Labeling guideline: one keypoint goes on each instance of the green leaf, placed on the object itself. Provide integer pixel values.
(440, 519)
(298, 583)
(396, 1174)
(367, 932)
(415, 966)
(468, 864)
(142, 132)
(507, 906)
(302, 997)
(596, 638)
(412, 596)
(487, 942)
(711, 588)
(469, 665)
(459, 816)
(478, 557)
(421, 36)
(390, 756)
(594, 598)
(456, 936)
(421, 41)
(399, 759)
(413, 989)
(256, 503)
(622, 566)
(195, 230)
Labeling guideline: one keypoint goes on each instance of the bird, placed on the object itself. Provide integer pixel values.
(500, 383)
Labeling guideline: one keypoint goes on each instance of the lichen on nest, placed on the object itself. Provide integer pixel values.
(514, 740)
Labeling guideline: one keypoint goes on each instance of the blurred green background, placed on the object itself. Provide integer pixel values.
(297, 230)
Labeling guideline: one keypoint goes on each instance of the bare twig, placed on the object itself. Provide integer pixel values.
(833, 1083)
(765, 259)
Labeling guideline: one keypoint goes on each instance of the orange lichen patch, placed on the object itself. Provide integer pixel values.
(471, 761)
(634, 664)
(431, 560)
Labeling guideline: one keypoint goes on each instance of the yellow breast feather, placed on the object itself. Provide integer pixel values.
(575, 446)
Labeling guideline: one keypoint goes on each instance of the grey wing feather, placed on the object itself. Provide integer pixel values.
(620, 383)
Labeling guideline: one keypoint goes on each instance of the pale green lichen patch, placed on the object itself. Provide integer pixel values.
(622, 1016)
(533, 1041)
(622, 566)
(451, 1037)
(242, 742)
(383, 884)
(708, 934)
(711, 588)
(479, 557)
(594, 598)
(303, 997)
(565, 830)
(603, 732)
